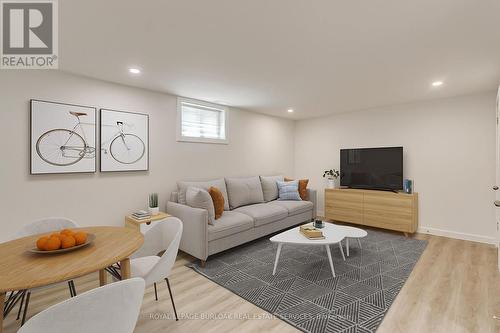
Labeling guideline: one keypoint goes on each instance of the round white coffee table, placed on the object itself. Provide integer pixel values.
(333, 235)
(352, 232)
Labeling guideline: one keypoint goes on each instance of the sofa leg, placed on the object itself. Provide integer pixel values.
(202, 263)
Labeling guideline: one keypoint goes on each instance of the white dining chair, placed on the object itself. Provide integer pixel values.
(112, 308)
(163, 236)
(46, 225)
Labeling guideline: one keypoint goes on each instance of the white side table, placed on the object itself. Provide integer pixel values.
(352, 232)
(146, 224)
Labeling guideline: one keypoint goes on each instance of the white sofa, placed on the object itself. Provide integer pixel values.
(251, 211)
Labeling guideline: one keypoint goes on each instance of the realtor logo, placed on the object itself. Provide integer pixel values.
(29, 34)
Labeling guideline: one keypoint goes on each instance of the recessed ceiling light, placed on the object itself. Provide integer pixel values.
(290, 110)
(437, 83)
(134, 70)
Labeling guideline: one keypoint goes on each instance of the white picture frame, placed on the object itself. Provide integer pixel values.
(62, 138)
(124, 141)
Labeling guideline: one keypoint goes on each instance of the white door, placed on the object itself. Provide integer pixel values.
(496, 187)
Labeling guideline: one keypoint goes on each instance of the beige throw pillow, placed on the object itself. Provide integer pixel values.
(270, 187)
(219, 183)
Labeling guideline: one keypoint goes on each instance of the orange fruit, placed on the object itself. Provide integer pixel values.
(67, 242)
(80, 237)
(67, 232)
(55, 235)
(53, 243)
(41, 242)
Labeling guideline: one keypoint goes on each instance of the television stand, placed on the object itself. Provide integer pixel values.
(381, 209)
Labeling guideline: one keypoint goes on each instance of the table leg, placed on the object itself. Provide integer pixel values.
(330, 259)
(277, 257)
(347, 245)
(125, 268)
(2, 301)
(103, 277)
(359, 242)
(342, 250)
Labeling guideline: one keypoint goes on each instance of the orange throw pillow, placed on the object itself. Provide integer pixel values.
(218, 200)
(302, 187)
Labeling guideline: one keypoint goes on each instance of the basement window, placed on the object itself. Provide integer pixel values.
(199, 121)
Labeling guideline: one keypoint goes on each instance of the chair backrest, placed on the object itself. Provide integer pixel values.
(46, 225)
(164, 235)
(112, 308)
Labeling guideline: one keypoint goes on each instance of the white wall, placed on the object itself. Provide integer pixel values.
(259, 144)
(449, 152)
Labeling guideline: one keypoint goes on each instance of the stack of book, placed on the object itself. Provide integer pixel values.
(141, 215)
(311, 232)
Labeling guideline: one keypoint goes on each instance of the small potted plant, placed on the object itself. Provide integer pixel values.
(332, 175)
(153, 204)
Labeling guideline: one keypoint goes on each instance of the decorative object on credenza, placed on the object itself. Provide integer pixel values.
(408, 186)
(63, 138)
(153, 204)
(124, 141)
(332, 175)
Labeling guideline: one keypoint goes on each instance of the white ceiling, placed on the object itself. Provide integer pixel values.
(318, 57)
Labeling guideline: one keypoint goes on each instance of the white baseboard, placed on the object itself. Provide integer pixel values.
(458, 235)
(451, 234)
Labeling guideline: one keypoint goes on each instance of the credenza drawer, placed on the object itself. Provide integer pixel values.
(344, 206)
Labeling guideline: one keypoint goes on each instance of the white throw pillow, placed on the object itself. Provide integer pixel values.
(199, 198)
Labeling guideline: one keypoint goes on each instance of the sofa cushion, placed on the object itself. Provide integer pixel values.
(263, 213)
(244, 191)
(229, 224)
(294, 207)
(200, 198)
(219, 183)
(270, 187)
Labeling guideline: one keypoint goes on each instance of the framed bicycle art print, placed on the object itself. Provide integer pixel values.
(124, 141)
(63, 138)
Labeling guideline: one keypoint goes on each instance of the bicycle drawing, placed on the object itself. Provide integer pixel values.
(124, 141)
(64, 147)
(63, 138)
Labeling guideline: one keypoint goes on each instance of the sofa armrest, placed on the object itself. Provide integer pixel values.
(195, 231)
(313, 198)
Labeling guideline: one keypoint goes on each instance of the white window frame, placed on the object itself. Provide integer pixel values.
(182, 138)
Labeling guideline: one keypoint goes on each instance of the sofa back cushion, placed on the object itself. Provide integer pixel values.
(219, 183)
(289, 190)
(200, 198)
(244, 191)
(270, 187)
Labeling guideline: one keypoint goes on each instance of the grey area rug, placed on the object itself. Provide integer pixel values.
(303, 291)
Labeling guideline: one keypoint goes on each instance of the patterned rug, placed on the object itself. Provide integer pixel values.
(303, 291)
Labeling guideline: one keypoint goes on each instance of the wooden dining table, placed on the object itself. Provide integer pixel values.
(21, 269)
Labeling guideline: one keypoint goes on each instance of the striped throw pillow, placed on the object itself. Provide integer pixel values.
(288, 190)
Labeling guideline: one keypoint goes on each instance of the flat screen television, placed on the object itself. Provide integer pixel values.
(372, 168)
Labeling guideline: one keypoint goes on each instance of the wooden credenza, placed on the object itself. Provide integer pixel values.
(387, 210)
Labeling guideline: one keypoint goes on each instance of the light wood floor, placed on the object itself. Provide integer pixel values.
(455, 287)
